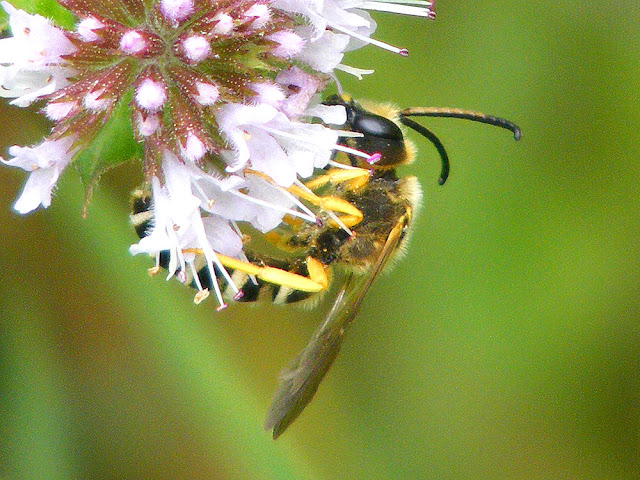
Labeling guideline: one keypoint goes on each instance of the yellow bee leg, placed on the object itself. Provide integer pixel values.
(316, 281)
(335, 204)
(317, 272)
(347, 220)
(355, 178)
(359, 177)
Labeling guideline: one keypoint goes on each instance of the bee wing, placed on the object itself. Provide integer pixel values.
(300, 380)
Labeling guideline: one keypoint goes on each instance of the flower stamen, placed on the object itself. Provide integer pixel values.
(385, 46)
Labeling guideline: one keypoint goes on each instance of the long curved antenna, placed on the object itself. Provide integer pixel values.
(465, 115)
(429, 135)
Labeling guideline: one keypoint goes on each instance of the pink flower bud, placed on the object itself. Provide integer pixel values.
(151, 95)
(132, 42)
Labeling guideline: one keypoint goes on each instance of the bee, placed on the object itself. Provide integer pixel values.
(376, 209)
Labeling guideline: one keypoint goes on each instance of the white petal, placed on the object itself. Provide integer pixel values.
(231, 118)
(35, 40)
(37, 190)
(222, 238)
(45, 161)
(326, 52)
(178, 184)
(27, 85)
(290, 43)
(356, 72)
(48, 154)
(267, 218)
(267, 156)
(329, 114)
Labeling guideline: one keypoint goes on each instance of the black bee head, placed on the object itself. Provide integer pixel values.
(380, 135)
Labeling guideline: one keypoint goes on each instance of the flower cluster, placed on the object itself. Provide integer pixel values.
(220, 98)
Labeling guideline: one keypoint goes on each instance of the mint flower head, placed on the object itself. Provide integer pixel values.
(219, 99)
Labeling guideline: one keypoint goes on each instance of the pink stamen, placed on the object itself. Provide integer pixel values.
(238, 295)
(373, 159)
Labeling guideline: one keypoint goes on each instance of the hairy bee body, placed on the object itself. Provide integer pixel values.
(386, 205)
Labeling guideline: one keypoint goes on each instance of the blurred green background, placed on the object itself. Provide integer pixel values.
(506, 345)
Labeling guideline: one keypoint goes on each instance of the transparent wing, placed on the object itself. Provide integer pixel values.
(300, 380)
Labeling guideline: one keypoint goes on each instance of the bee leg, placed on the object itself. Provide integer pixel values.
(315, 282)
(352, 216)
(358, 176)
(354, 178)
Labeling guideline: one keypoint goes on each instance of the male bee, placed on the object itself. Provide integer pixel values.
(375, 209)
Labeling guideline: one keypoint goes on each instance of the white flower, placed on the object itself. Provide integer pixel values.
(324, 53)
(30, 59)
(178, 209)
(180, 229)
(302, 87)
(337, 26)
(280, 148)
(330, 13)
(250, 199)
(176, 215)
(45, 162)
(260, 203)
(276, 203)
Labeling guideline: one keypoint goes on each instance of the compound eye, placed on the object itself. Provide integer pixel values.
(376, 126)
(380, 135)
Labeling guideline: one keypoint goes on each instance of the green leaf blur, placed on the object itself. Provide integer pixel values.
(113, 145)
(47, 8)
(505, 345)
